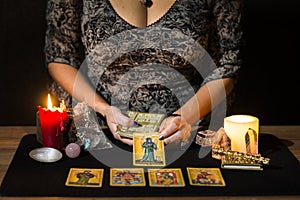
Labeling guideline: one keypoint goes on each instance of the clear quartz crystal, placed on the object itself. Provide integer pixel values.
(206, 137)
(89, 132)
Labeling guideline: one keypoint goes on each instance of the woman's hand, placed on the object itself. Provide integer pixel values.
(114, 118)
(175, 129)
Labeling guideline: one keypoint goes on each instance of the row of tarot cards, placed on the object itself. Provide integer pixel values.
(135, 177)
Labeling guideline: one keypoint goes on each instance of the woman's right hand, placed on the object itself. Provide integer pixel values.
(114, 118)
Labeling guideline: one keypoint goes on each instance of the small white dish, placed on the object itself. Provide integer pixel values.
(45, 154)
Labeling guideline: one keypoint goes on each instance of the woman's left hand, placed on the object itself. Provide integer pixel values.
(175, 129)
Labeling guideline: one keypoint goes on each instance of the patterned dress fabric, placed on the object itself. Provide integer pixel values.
(149, 69)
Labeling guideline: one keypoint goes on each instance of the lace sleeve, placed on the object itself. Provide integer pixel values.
(226, 38)
(62, 38)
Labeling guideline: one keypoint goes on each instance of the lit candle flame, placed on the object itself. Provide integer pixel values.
(50, 107)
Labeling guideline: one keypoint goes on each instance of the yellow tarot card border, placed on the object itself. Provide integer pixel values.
(134, 176)
(169, 177)
(158, 158)
(85, 177)
(205, 177)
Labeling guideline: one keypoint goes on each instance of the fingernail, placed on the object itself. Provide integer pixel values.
(136, 124)
(161, 137)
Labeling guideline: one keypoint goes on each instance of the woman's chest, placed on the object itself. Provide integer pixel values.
(102, 19)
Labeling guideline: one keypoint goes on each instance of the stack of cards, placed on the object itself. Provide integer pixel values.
(149, 122)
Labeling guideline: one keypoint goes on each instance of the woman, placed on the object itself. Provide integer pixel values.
(75, 25)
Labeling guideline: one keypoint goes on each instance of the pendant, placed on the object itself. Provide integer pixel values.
(147, 3)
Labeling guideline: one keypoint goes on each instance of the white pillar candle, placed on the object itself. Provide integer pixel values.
(240, 129)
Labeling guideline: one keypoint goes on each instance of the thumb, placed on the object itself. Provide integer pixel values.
(126, 121)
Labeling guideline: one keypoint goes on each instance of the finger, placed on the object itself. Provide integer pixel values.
(124, 140)
(113, 127)
(186, 133)
(162, 125)
(170, 127)
(126, 121)
(127, 141)
(114, 115)
(175, 138)
(120, 118)
(181, 134)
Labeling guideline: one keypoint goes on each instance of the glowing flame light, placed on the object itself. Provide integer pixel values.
(50, 107)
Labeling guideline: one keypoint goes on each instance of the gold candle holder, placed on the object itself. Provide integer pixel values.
(237, 160)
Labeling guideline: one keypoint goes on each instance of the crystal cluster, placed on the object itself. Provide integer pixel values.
(89, 132)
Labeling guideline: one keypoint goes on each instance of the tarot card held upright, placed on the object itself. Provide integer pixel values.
(148, 150)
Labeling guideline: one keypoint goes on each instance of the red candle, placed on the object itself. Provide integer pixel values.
(53, 121)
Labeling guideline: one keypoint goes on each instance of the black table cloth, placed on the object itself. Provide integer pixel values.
(27, 177)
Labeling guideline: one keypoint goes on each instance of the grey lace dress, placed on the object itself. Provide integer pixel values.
(149, 69)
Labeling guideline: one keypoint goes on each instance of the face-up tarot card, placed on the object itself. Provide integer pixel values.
(81, 177)
(148, 150)
(168, 177)
(128, 177)
(205, 177)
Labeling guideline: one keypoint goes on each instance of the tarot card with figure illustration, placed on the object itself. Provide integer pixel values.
(148, 150)
(82, 177)
(205, 177)
(127, 177)
(166, 177)
(147, 122)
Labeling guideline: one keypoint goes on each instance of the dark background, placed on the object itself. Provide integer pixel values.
(268, 84)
